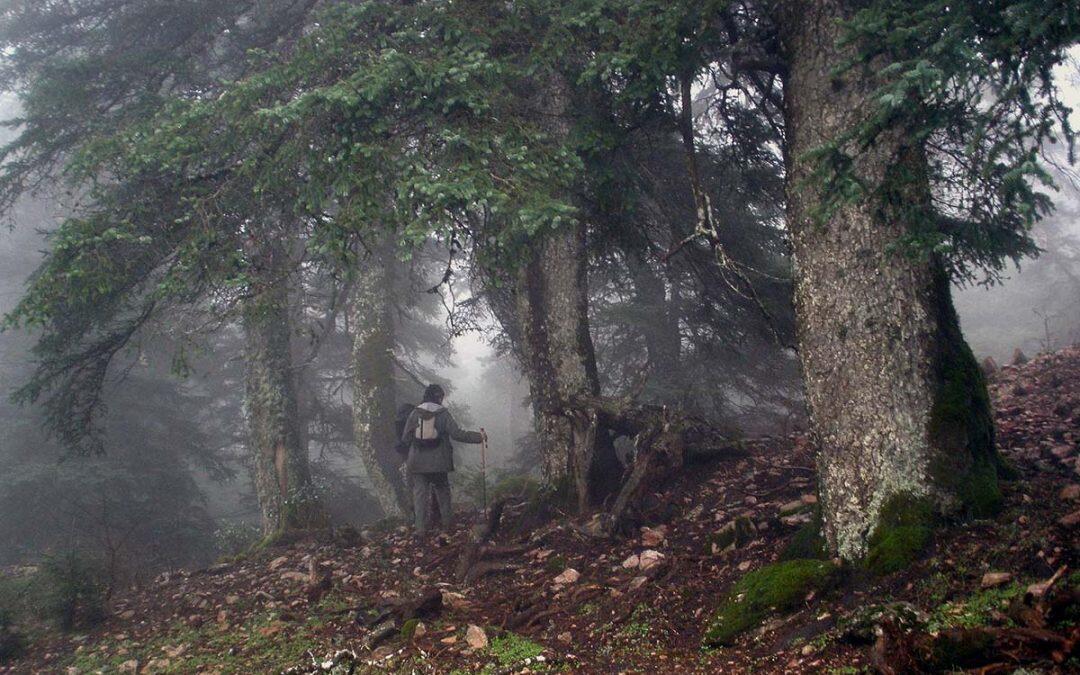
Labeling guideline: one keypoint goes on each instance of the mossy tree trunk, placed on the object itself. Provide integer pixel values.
(282, 475)
(371, 321)
(898, 407)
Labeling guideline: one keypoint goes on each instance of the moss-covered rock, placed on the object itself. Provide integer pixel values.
(779, 587)
(904, 529)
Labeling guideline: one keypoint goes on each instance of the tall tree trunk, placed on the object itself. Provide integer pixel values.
(282, 475)
(897, 405)
(373, 397)
(551, 307)
(663, 342)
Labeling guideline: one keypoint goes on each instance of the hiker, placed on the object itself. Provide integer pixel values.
(428, 431)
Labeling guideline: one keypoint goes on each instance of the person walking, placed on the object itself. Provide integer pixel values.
(428, 433)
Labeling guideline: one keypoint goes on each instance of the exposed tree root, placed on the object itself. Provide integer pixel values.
(472, 564)
(664, 440)
(989, 649)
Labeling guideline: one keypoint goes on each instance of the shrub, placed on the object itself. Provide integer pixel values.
(11, 641)
(73, 590)
(232, 539)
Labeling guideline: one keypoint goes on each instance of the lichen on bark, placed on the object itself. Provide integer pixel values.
(894, 408)
(282, 476)
(371, 320)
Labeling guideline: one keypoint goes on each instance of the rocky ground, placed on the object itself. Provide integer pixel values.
(553, 598)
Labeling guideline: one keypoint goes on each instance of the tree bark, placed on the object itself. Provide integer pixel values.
(282, 475)
(551, 309)
(897, 406)
(373, 395)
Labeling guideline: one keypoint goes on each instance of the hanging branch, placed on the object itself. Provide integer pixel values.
(705, 227)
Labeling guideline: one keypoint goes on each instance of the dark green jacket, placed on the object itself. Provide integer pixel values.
(439, 459)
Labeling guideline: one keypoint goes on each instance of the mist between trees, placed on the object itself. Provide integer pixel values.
(268, 225)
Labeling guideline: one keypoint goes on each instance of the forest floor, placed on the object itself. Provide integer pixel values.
(565, 601)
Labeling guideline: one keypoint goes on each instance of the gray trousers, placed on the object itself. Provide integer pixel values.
(422, 485)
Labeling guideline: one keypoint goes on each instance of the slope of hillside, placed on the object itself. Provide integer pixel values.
(556, 599)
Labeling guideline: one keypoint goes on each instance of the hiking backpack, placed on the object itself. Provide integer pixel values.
(426, 435)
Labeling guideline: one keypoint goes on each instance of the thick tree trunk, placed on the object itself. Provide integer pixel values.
(552, 326)
(552, 305)
(373, 397)
(282, 475)
(897, 404)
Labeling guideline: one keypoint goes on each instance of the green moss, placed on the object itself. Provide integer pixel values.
(808, 542)
(510, 648)
(779, 587)
(965, 465)
(408, 629)
(980, 493)
(978, 609)
(904, 529)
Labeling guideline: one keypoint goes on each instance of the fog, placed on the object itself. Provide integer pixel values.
(1034, 308)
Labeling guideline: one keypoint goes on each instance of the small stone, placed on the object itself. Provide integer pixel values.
(993, 579)
(632, 563)
(128, 615)
(131, 666)
(745, 565)
(278, 562)
(449, 640)
(476, 637)
(652, 537)
(650, 559)
(1070, 520)
(796, 519)
(420, 630)
(792, 507)
(568, 576)
(1070, 492)
(1062, 452)
(454, 600)
(566, 637)
(637, 582)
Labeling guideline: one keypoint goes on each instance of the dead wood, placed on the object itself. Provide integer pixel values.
(898, 651)
(665, 440)
(471, 564)
(427, 605)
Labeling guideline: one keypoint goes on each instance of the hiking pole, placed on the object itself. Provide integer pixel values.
(483, 467)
